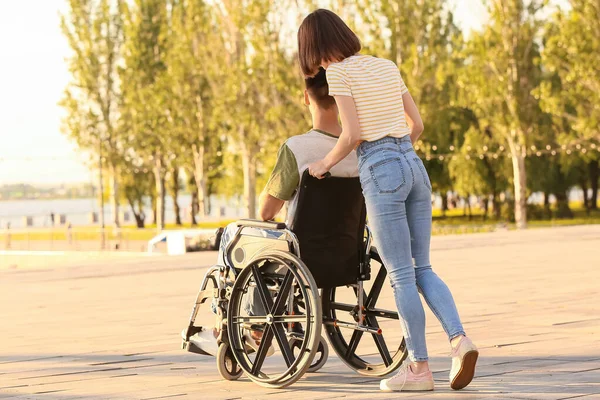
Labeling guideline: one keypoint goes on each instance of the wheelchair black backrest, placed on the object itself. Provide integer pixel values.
(330, 223)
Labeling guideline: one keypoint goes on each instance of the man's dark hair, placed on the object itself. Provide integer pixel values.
(323, 36)
(318, 90)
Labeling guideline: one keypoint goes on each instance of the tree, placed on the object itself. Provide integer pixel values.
(479, 169)
(502, 71)
(572, 54)
(136, 184)
(423, 40)
(193, 64)
(253, 114)
(93, 29)
(145, 88)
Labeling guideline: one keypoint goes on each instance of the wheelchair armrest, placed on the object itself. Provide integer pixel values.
(256, 223)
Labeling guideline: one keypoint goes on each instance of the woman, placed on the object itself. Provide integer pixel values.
(380, 119)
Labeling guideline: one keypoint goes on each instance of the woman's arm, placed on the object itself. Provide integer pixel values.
(347, 141)
(413, 118)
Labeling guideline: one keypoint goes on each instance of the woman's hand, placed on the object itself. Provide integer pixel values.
(318, 169)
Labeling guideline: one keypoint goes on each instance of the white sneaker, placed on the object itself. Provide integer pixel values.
(205, 340)
(464, 358)
(407, 381)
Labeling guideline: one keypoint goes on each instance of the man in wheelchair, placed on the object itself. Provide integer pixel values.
(293, 158)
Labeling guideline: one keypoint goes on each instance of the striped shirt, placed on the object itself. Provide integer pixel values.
(377, 89)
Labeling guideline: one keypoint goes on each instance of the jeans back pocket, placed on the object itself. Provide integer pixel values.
(388, 175)
(426, 180)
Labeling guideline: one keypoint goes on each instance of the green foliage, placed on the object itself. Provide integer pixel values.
(212, 88)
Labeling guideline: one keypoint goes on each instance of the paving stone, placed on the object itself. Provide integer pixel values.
(106, 326)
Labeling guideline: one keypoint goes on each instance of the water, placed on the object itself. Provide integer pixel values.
(78, 211)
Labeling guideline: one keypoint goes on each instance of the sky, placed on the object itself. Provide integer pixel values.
(33, 75)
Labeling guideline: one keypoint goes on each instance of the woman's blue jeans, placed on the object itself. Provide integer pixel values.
(397, 192)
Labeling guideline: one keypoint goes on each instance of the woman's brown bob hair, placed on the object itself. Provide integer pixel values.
(323, 36)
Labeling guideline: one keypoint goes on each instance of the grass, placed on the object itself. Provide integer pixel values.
(81, 233)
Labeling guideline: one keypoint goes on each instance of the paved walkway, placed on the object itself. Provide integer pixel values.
(90, 328)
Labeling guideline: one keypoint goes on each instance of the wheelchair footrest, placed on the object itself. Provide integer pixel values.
(192, 348)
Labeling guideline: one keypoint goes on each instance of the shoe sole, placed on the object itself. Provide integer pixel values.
(466, 372)
(409, 387)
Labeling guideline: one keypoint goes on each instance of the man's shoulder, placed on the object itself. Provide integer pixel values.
(314, 145)
(308, 140)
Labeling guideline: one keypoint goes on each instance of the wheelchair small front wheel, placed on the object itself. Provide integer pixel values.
(226, 364)
(321, 356)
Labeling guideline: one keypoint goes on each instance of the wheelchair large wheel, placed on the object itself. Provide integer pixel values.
(367, 357)
(287, 298)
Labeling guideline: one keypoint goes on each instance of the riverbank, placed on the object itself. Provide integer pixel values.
(129, 238)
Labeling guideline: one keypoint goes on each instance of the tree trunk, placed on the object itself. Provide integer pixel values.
(486, 207)
(114, 198)
(496, 206)
(159, 181)
(594, 174)
(547, 210)
(154, 213)
(249, 169)
(520, 183)
(194, 208)
(139, 216)
(584, 188)
(562, 204)
(139, 221)
(175, 195)
(469, 211)
(200, 178)
(444, 203)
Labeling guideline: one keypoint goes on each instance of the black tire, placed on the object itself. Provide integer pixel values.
(226, 364)
(385, 362)
(290, 282)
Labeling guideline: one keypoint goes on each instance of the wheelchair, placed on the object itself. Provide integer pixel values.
(327, 247)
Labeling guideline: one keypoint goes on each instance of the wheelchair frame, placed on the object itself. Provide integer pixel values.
(227, 361)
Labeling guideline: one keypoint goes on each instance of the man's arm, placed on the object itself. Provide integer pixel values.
(269, 206)
(282, 184)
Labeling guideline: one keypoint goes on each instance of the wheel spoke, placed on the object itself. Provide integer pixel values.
(284, 346)
(256, 319)
(261, 287)
(354, 340)
(376, 288)
(342, 306)
(278, 319)
(263, 348)
(283, 294)
(380, 342)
